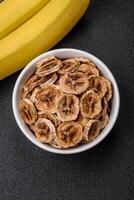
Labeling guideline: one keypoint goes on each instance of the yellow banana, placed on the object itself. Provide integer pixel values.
(13, 13)
(39, 33)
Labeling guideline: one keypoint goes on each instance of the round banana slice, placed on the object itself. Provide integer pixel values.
(108, 94)
(90, 104)
(98, 84)
(89, 70)
(92, 130)
(104, 110)
(48, 66)
(33, 82)
(85, 61)
(75, 83)
(52, 117)
(67, 107)
(103, 116)
(28, 111)
(46, 98)
(69, 134)
(104, 104)
(44, 130)
(50, 79)
(45, 61)
(69, 66)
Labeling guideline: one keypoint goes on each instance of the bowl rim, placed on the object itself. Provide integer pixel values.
(80, 148)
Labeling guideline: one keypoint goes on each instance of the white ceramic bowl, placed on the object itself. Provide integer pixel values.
(65, 53)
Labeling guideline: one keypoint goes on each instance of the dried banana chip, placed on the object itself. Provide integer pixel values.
(75, 83)
(104, 105)
(92, 130)
(85, 61)
(33, 82)
(90, 104)
(104, 110)
(44, 130)
(103, 116)
(28, 111)
(67, 107)
(52, 117)
(98, 84)
(69, 134)
(48, 66)
(69, 66)
(89, 70)
(46, 98)
(108, 94)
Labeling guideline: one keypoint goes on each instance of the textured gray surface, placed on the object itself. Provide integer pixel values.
(107, 171)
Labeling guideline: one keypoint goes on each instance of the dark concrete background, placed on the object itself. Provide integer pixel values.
(107, 171)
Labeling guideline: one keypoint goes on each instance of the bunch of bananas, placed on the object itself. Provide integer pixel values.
(30, 27)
